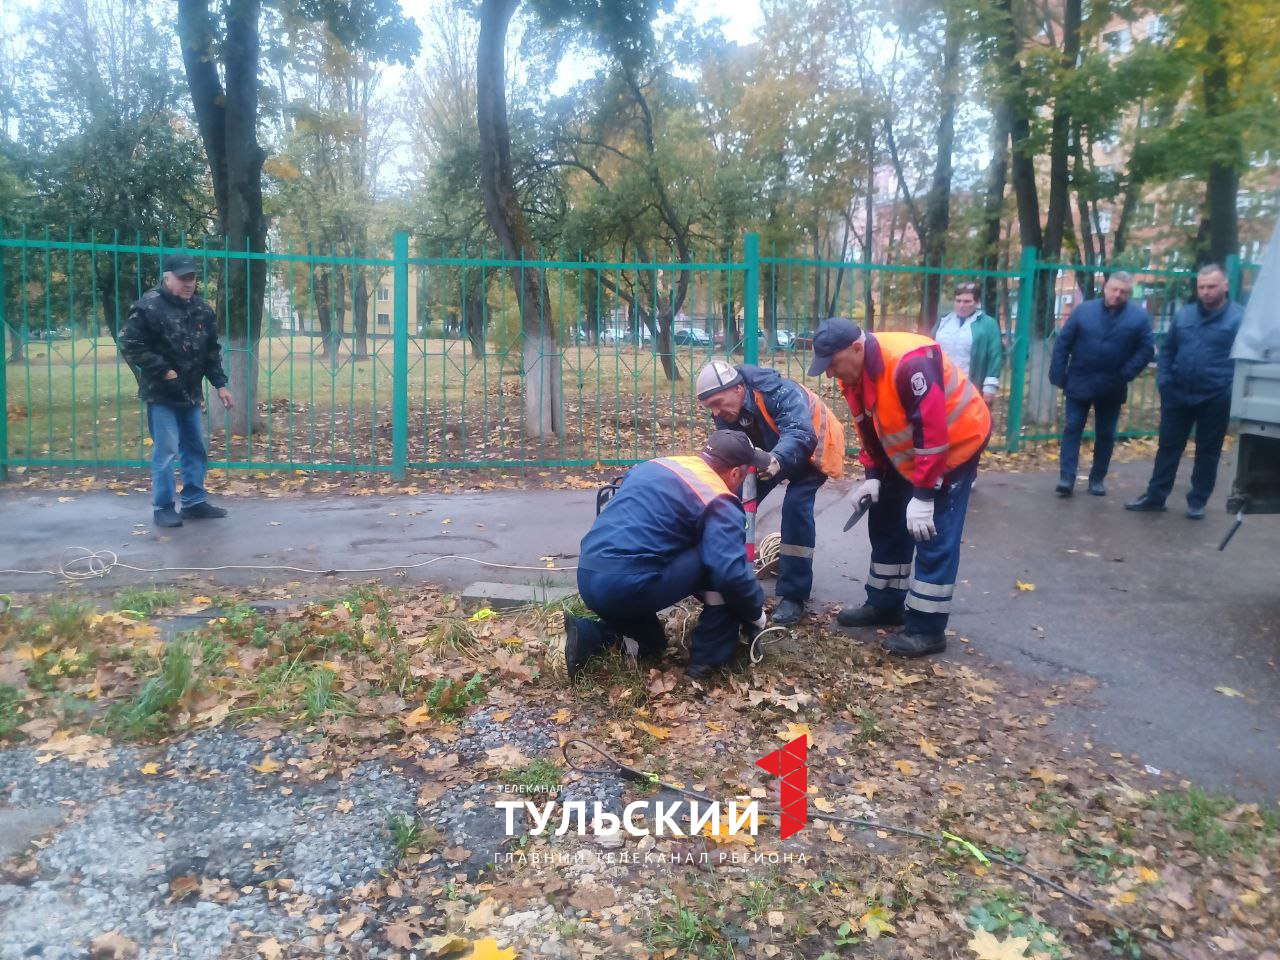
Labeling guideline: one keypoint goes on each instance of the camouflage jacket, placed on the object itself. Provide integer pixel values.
(164, 333)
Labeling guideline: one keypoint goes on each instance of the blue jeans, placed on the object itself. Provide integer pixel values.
(799, 534)
(177, 433)
(927, 592)
(628, 604)
(1210, 419)
(1106, 414)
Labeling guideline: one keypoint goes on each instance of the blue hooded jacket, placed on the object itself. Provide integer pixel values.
(655, 516)
(1098, 351)
(794, 441)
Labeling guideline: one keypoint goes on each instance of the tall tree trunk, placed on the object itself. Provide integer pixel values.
(473, 319)
(227, 120)
(1224, 170)
(540, 357)
(324, 315)
(937, 210)
(868, 245)
(360, 315)
(993, 203)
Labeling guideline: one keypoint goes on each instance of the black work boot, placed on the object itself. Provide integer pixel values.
(701, 672)
(1097, 488)
(787, 612)
(869, 616)
(914, 644)
(574, 653)
(167, 517)
(203, 511)
(1064, 488)
(1146, 504)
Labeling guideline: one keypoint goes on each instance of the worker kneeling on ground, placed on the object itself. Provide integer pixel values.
(675, 529)
(805, 442)
(923, 427)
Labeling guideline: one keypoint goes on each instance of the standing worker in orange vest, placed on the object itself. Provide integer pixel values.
(675, 529)
(923, 427)
(805, 441)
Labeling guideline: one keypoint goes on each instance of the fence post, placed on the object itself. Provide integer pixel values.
(1021, 345)
(751, 299)
(400, 357)
(4, 375)
(1234, 277)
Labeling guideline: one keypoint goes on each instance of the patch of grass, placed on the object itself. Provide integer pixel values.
(1099, 860)
(147, 713)
(540, 776)
(1000, 912)
(10, 711)
(689, 930)
(450, 699)
(570, 606)
(145, 600)
(454, 634)
(869, 727)
(319, 699)
(409, 834)
(1218, 824)
(68, 618)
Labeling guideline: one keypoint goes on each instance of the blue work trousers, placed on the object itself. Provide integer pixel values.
(628, 605)
(799, 534)
(891, 583)
(177, 434)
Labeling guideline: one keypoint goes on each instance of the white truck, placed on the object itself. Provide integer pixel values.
(1255, 401)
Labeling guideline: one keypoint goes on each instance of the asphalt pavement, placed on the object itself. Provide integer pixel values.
(1174, 644)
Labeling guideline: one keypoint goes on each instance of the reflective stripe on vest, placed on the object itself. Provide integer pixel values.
(697, 476)
(828, 452)
(968, 419)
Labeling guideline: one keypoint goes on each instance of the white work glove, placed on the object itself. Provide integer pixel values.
(920, 520)
(761, 621)
(866, 488)
(772, 470)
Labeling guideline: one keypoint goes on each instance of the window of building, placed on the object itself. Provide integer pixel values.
(1145, 215)
(1157, 29)
(1104, 221)
(384, 293)
(1109, 142)
(384, 319)
(1118, 41)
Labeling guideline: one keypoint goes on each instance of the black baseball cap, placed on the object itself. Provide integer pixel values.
(831, 337)
(733, 448)
(179, 264)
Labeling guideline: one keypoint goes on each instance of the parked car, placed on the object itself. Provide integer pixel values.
(691, 337)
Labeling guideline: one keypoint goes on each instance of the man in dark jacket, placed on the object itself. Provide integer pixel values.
(779, 416)
(1103, 345)
(170, 339)
(1194, 373)
(675, 529)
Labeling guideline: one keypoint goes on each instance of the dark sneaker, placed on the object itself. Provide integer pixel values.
(1096, 489)
(1195, 513)
(203, 511)
(1064, 489)
(787, 612)
(701, 672)
(869, 616)
(167, 517)
(1146, 504)
(914, 644)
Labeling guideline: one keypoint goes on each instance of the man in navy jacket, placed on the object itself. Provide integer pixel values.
(1194, 373)
(675, 529)
(1103, 345)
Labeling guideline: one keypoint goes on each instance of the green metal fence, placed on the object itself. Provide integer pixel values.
(400, 359)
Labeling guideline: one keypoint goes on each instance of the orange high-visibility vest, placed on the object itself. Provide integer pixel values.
(968, 419)
(828, 454)
(698, 477)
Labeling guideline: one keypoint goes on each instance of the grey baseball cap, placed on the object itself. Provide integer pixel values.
(179, 264)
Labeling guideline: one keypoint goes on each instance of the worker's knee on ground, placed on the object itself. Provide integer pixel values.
(716, 636)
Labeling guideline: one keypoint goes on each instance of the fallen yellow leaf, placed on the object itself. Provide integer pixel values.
(150, 769)
(987, 947)
(268, 765)
(488, 950)
(661, 733)
(906, 767)
(794, 731)
(928, 748)
(1229, 691)
(826, 806)
(1024, 586)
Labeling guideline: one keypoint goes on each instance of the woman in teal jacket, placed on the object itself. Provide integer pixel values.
(972, 340)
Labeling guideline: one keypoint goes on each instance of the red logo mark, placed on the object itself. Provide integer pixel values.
(791, 765)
